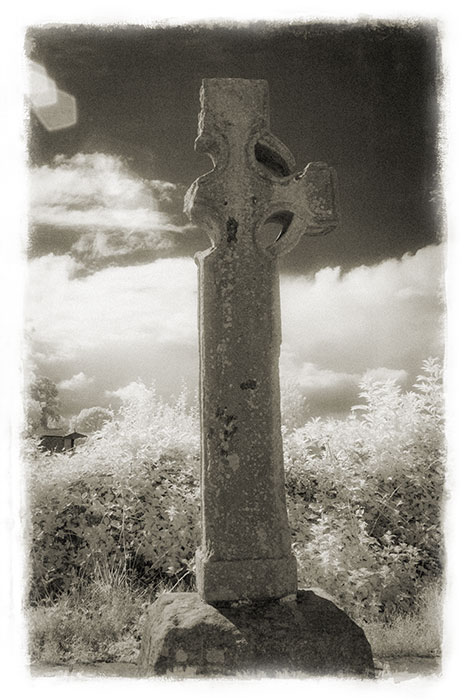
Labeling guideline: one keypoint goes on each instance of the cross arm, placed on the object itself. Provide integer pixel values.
(304, 203)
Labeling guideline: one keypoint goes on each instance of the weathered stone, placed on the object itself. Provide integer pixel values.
(246, 555)
(304, 634)
(246, 547)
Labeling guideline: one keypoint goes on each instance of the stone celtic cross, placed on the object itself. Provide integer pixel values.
(246, 556)
(246, 547)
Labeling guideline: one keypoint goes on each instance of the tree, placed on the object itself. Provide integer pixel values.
(33, 413)
(43, 397)
(294, 410)
(89, 420)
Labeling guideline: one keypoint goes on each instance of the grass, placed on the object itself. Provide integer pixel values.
(418, 634)
(99, 621)
(103, 621)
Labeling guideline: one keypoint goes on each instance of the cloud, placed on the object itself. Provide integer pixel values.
(122, 323)
(383, 374)
(330, 391)
(93, 207)
(361, 320)
(115, 326)
(113, 307)
(76, 383)
(132, 392)
(376, 322)
(326, 390)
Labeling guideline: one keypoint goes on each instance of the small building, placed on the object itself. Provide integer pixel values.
(54, 440)
(69, 440)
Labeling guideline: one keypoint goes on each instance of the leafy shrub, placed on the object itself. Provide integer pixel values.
(364, 498)
(127, 497)
(89, 420)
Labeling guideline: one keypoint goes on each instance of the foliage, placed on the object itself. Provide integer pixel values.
(364, 497)
(32, 416)
(42, 404)
(128, 497)
(366, 494)
(90, 420)
(416, 634)
(293, 405)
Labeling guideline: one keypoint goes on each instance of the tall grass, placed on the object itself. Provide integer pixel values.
(100, 619)
(103, 621)
(416, 634)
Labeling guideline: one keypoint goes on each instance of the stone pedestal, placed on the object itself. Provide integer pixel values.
(247, 578)
(306, 634)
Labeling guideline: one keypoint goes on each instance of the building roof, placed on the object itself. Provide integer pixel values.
(57, 432)
(51, 432)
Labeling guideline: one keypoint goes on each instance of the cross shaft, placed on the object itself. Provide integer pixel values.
(246, 546)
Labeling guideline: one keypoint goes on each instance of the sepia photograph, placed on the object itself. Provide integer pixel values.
(233, 347)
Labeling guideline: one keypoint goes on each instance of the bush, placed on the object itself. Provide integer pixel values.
(364, 498)
(127, 498)
(366, 494)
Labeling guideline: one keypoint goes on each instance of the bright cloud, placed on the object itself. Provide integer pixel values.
(75, 383)
(116, 325)
(122, 323)
(328, 390)
(114, 306)
(132, 392)
(381, 316)
(103, 210)
(376, 322)
(383, 374)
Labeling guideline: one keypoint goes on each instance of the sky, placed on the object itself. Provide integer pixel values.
(377, 229)
(368, 211)
(111, 291)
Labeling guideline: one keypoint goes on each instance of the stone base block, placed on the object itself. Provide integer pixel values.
(251, 579)
(302, 634)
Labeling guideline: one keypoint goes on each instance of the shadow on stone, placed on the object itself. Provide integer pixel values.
(306, 634)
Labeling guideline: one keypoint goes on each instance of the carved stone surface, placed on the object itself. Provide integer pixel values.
(246, 548)
(246, 555)
(306, 634)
